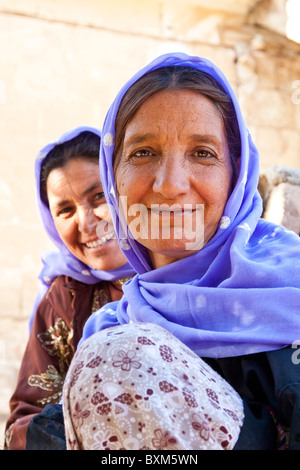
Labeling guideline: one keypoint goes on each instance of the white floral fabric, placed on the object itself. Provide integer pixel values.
(137, 387)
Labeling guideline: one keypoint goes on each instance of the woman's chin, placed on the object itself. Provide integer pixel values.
(106, 257)
(163, 254)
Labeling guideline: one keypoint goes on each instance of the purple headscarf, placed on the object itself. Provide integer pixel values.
(63, 262)
(240, 293)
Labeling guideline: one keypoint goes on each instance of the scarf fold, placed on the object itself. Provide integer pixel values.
(240, 293)
(62, 261)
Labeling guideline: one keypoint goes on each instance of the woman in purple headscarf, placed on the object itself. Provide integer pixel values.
(86, 272)
(180, 172)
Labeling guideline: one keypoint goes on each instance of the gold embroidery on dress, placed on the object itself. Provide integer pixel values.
(8, 436)
(122, 281)
(100, 298)
(52, 381)
(57, 342)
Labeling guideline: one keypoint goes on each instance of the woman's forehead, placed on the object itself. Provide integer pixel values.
(185, 110)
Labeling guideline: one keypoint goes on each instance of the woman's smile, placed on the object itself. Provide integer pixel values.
(96, 243)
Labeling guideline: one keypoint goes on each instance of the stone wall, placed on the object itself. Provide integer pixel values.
(61, 64)
(279, 187)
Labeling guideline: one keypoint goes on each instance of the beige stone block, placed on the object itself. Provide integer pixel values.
(291, 148)
(10, 292)
(270, 15)
(295, 99)
(230, 6)
(264, 107)
(222, 57)
(287, 70)
(13, 339)
(20, 267)
(277, 147)
(269, 146)
(191, 23)
(283, 206)
(28, 292)
(136, 16)
(246, 69)
(61, 8)
(266, 69)
(22, 241)
(70, 75)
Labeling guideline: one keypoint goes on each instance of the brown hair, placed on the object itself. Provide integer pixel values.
(86, 145)
(180, 78)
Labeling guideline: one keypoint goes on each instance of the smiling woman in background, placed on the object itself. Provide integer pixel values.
(86, 272)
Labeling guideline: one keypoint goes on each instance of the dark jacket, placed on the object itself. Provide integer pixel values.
(269, 384)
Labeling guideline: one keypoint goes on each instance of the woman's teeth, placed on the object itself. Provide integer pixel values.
(100, 241)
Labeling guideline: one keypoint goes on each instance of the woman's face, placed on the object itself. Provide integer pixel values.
(174, 153)
(80, 214)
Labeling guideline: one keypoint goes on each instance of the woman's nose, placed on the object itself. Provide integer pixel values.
(87, 220)
(171, 178)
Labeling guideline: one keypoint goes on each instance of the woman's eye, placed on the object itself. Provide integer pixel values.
(99, 196)
(65, 211)
(202, 153)
(141, 153)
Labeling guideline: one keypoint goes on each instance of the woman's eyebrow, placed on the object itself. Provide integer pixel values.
(90, 189)
(209, 138)
(59, 204)
(135, 139)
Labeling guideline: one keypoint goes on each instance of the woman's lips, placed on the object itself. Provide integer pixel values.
(171, 213)
(99, 241)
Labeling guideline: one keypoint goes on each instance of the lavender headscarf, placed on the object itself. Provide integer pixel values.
(63, 262)
(240, 294)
